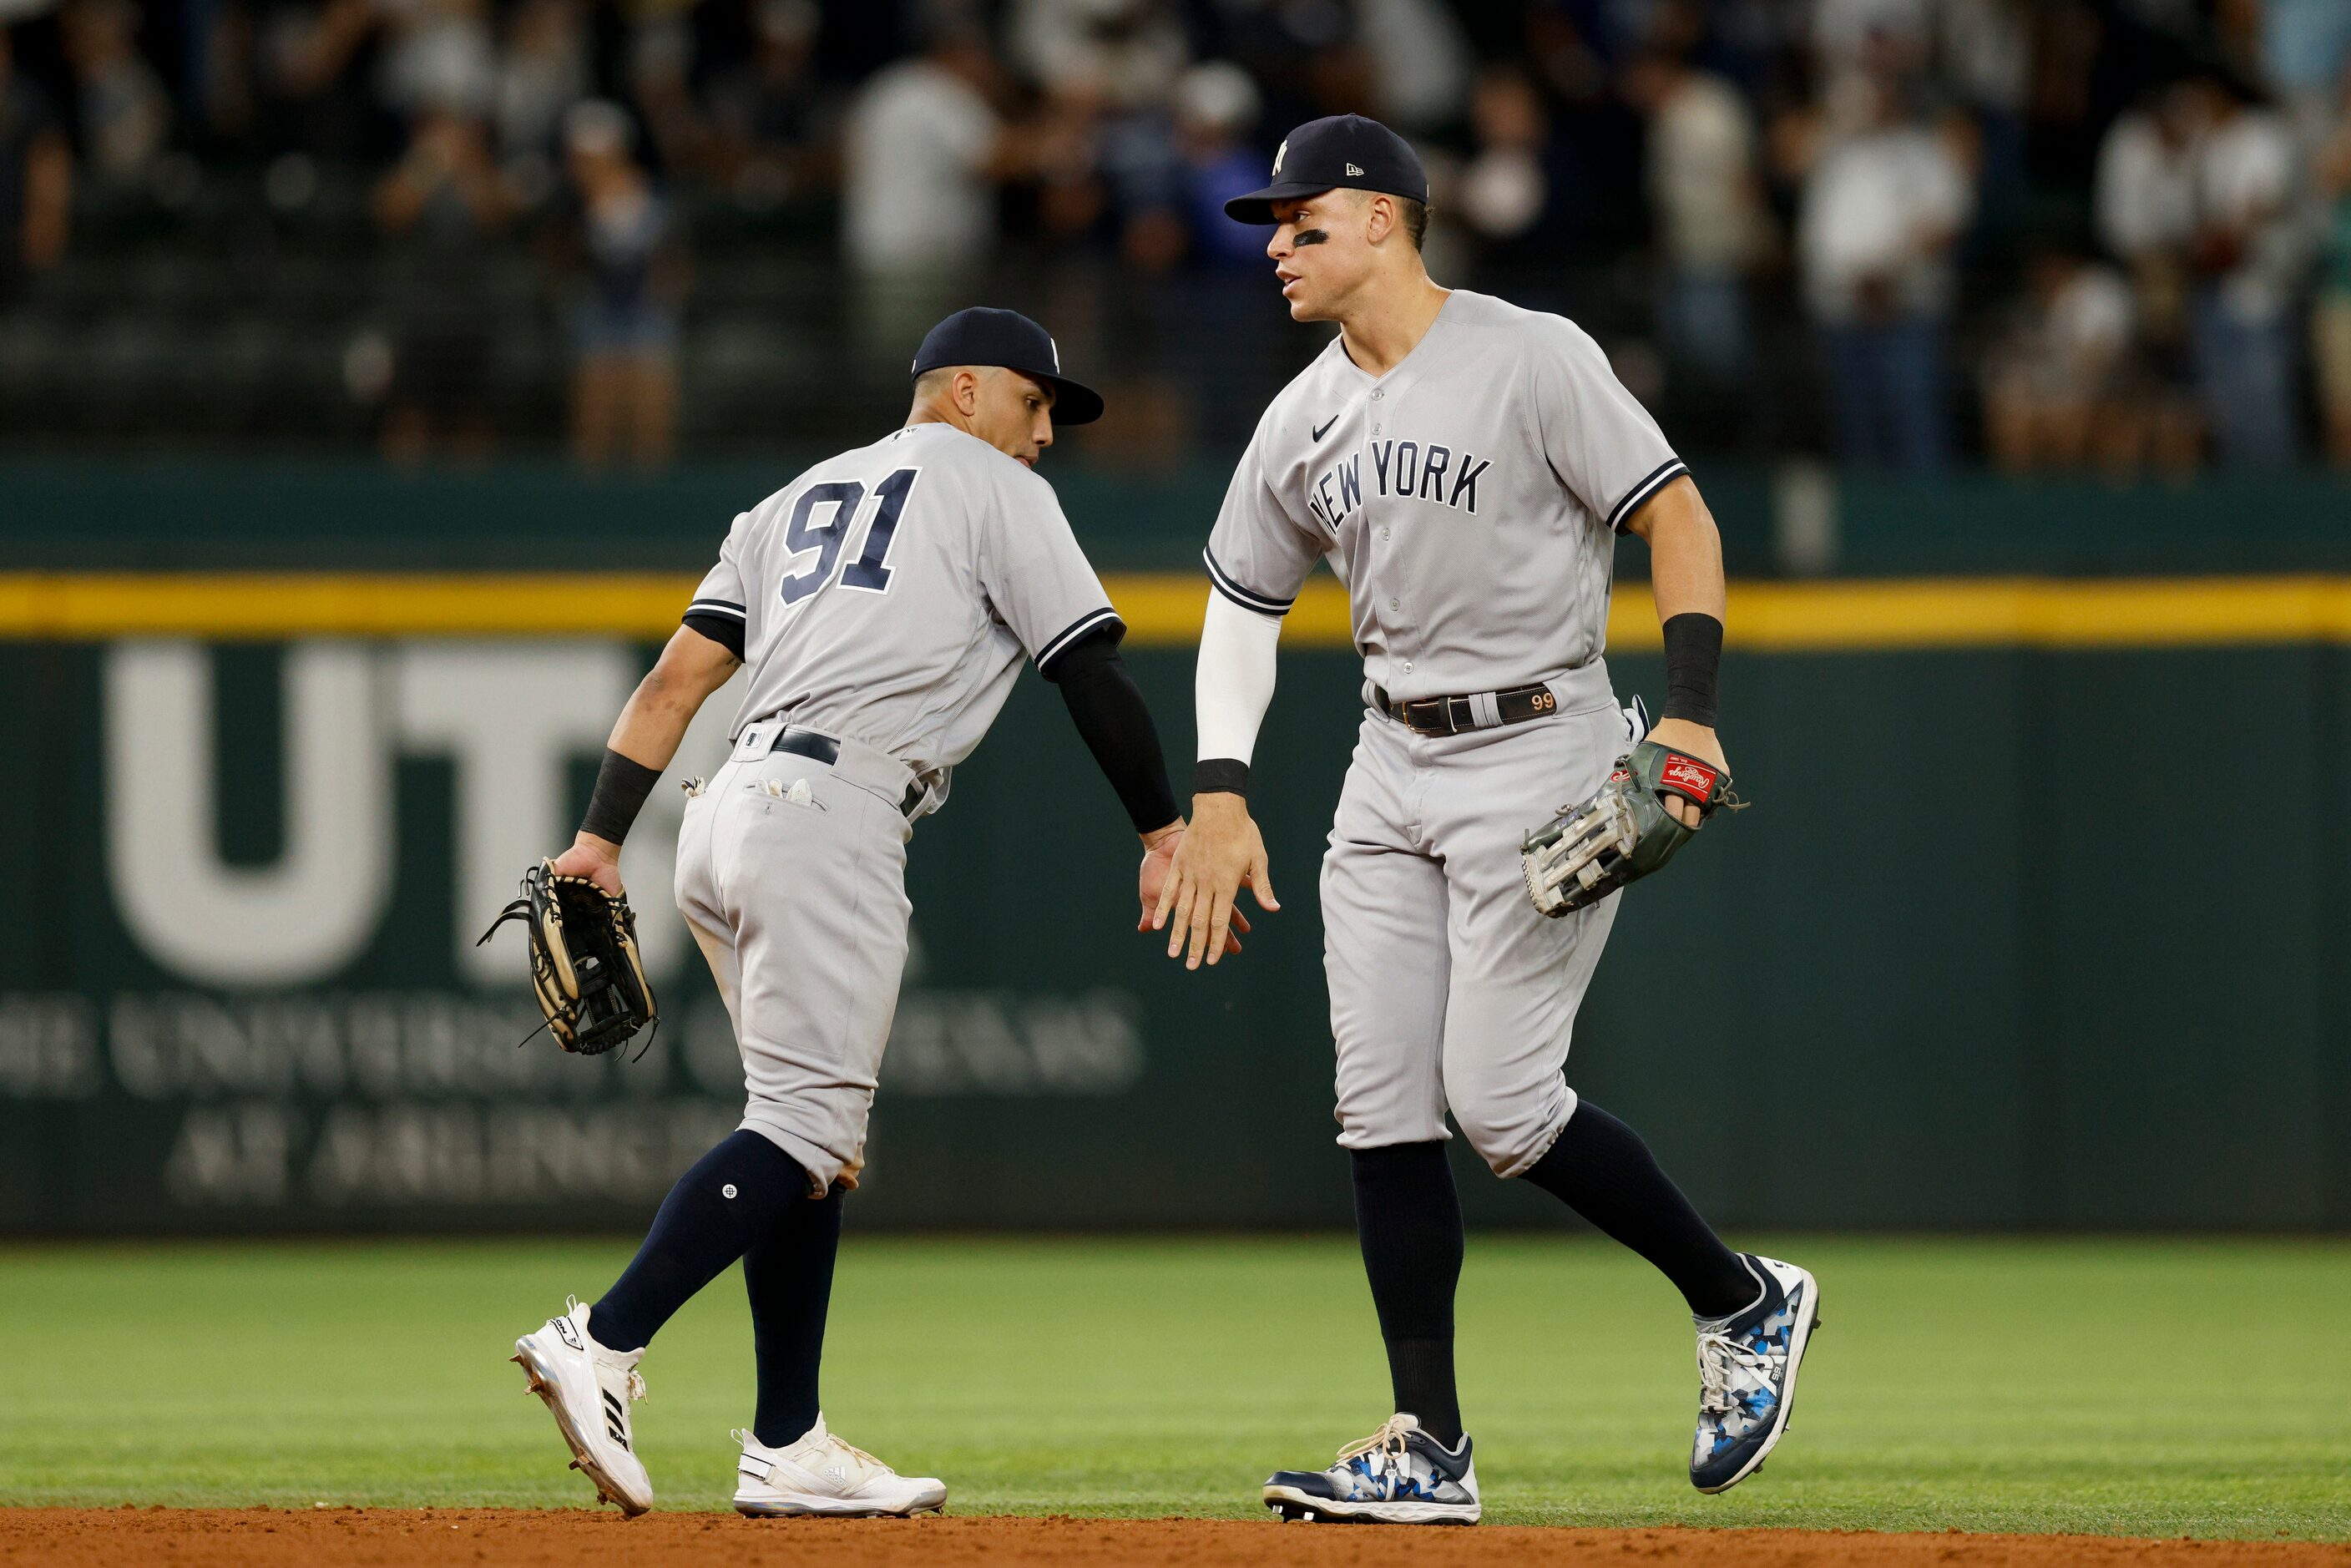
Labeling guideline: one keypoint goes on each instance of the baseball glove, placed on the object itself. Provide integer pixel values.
(584, 968)
(1624, 831)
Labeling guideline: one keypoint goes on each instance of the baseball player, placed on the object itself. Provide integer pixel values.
(883, 601)
(1464, 465)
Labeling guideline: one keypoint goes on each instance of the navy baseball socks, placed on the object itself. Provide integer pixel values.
(1417, 1468)
(1408, 1218)
(728, 1200)
(748, 1199)
(1599, 1167)
(789, 1272)
(1755, 1315)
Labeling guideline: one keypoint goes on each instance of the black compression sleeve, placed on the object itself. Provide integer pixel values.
(1693, 664)
(622, 784)
(1108, 709)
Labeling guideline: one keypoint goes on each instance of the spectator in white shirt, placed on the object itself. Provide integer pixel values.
(2145, 203)
(1711, 224)
(1885, 199)
(919, 184)
(2248, 259)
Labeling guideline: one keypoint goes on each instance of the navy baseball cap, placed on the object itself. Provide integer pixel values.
(981, 336)
(1343, 152)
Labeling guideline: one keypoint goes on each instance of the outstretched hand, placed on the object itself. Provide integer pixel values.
(1221, 852)
(1158, 861)
(598, 859)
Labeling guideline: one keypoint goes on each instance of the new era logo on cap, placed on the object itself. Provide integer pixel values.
(1343, 150)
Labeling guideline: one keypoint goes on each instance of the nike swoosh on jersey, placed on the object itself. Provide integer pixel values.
(1326, 425)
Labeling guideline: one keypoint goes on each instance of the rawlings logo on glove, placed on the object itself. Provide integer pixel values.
(1624, 831)
(584, 968)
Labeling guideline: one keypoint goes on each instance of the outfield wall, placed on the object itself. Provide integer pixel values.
(2036, 923)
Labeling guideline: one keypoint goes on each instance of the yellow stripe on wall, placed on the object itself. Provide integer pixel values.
(1164, 609)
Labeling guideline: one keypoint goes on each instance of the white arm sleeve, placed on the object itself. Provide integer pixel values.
(1235, 682)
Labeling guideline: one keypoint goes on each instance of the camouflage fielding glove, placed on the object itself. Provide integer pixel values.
(1624, 831)
(584, 967)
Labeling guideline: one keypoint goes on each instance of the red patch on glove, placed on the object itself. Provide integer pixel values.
(1687, 777)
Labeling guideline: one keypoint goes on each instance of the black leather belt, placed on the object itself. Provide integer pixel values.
(823, 748)
(1480, 710)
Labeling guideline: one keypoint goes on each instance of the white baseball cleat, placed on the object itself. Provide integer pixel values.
(590, 1388)
(818, 1473)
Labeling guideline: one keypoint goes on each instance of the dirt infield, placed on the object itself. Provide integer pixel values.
(566, 1537)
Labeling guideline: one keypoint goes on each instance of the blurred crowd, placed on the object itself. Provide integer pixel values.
(2070, 233)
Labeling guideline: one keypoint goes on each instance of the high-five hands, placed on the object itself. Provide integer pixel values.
(1158, 855)
(1220, 853)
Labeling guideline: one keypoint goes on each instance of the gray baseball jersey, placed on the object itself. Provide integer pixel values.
(888, 595)
(1467, 498)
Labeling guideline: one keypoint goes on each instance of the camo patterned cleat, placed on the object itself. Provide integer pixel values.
(1747, 1375)
(1399, 1475)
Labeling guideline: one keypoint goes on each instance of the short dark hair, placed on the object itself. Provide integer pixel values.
(1414, 214)
(1415, 220)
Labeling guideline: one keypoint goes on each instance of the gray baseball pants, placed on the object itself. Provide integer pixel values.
(792, 874)
(1447, 989)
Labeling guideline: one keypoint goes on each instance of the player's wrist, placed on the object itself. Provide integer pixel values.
(1218, 806)
(622, 784)
(1693, 667)
(1158, 836)
(1220, 776)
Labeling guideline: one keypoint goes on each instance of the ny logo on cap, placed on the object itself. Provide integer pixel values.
(1279, 154)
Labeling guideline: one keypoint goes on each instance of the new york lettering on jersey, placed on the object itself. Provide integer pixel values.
(1408, 470)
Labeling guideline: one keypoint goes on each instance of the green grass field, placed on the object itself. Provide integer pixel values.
(2137, 1388)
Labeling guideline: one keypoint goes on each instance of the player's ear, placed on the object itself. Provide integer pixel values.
(1379, 216)
(967, 392)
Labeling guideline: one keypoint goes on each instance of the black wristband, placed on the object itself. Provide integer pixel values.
(1220, 776)
(622, 784)
(1693, 665)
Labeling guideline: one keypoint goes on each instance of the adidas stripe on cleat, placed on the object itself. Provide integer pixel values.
(588, 1389)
